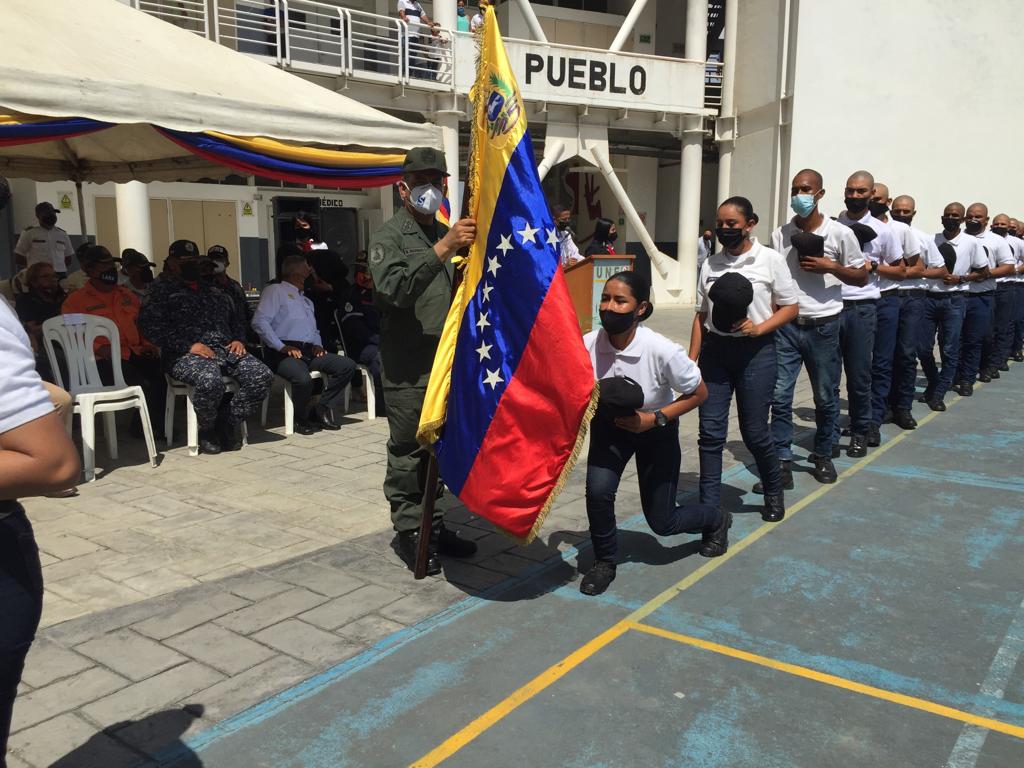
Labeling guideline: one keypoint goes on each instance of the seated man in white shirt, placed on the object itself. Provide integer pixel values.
(286, 323)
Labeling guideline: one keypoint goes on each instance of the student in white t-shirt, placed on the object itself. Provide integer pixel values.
(647, 383)
(36, 457)
(1017, 243)
(995, 349)
(745, 292)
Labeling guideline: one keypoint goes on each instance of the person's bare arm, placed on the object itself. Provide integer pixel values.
(697, 335)
(37, 458)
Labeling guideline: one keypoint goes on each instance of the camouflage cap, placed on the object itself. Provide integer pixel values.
(424, 159)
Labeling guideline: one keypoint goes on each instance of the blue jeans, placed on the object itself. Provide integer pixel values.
(1018, 318)
(996, 348)
(747, 367)
(977, 324)
(943, 315)
(887, 332)
(21, 605)
(657, 466)
(857, 342)
(817, 347)
(904, 375)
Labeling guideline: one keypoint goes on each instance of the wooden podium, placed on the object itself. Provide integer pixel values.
(586, 279)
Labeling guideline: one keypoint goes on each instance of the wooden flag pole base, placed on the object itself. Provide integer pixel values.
(427, 518)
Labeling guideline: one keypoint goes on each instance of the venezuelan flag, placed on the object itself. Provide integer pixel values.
(512, 389)
(444, 213)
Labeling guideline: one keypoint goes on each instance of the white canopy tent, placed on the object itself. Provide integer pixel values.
(102, 60)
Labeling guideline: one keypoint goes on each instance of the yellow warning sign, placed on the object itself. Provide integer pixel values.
(65, 202)
(247, 209)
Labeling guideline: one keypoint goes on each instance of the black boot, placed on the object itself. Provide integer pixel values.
(966, 390)
(597, 579)
(858, 446)
(904, 420)
(1004, 367)
(824, 470)
(1018, 356)
(407, 545)
(787, 479)
(715, 542)
(874, 436)
(449, 544)
(984, 376)
(230, 433)
(774, 509)
(209, 441)
(993, 373)
(937, 405)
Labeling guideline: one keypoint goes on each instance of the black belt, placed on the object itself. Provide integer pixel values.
(942, 295)
(890, 292)
(912, 291)
(855, 302)
(980, 293)
(813, 322)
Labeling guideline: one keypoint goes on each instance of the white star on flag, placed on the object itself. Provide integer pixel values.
(482, 322)
(493, 266)
(486, 291)
(552, 236)
(528, 234)
(506, 244)
(493, 378)
(484, 350)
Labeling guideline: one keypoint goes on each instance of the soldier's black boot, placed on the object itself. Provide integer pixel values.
(209, 441)
(449, 543)
(774, 508)
(230, 433)
(715, 542)
(407, 545)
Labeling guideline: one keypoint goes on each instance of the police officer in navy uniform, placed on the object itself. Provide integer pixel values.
(410, 263)
(201, 337)
(45, 242)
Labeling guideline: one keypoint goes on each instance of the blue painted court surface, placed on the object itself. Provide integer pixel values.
(881, 624)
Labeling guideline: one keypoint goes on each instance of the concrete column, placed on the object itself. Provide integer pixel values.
(134, 228)
(445, 13)
(692, 159)
(727, 139)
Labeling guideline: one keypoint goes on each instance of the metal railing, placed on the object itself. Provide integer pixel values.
(322, 38)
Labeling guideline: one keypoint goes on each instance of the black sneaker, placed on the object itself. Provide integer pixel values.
(450, 544)
(715, 543)
(597, 579)
(874, 436)
(904, 420)
(787, 479)
(858, 446)
(824, 470)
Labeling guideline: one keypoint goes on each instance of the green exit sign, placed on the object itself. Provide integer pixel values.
(645, 38)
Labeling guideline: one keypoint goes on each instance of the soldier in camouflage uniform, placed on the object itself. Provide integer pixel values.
(409, 258)
(201, 338)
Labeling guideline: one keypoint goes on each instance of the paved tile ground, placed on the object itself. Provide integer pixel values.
(224, 579)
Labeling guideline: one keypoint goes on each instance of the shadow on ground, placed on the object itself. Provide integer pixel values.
(157, 733)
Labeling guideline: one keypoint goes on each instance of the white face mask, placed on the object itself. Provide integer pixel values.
(219, 267)
(425, 198)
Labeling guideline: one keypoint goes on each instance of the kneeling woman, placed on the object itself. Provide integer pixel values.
(745, 293)
(622, 348)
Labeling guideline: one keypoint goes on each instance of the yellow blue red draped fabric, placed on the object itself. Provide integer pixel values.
(512, 389)
(258, 155)
(444, 213)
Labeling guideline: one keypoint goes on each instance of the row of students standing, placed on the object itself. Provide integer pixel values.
(867, 292)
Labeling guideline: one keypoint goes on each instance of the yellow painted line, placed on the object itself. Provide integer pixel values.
(457, 741)
(528, 691)
(839, 682)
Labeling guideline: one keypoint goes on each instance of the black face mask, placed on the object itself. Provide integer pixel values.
(1001, 231)
(973, 227)
(109, 276)
(146, 275)
(856, 204)
(562, 225)
(730, 237)
(616, 322)
(48, 220)
(190, 270)
(949, 223)
(901, 218)
(612, 237)
(878, 209)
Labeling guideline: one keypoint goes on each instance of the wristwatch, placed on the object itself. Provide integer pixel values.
(873, 267)
(660, 418)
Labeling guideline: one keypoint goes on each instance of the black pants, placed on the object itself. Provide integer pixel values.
(21, 606)
(144, 372)
(657, 467)
(338, 370)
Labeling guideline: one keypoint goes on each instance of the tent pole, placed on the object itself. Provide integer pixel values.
(81, 208)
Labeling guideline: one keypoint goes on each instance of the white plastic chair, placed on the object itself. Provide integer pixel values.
(289, 405)
(176, 389)
(371, 395)
(76, 335)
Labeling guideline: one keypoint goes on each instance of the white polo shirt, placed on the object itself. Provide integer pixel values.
(885, 249)
(50, 245)
(1017, 245)
(930, 257)
(998, 253)
(284, 313)
(767, 272)
(969, 255)
(657, 364)
(1008, 242)
(22, 397)
(819, 295)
